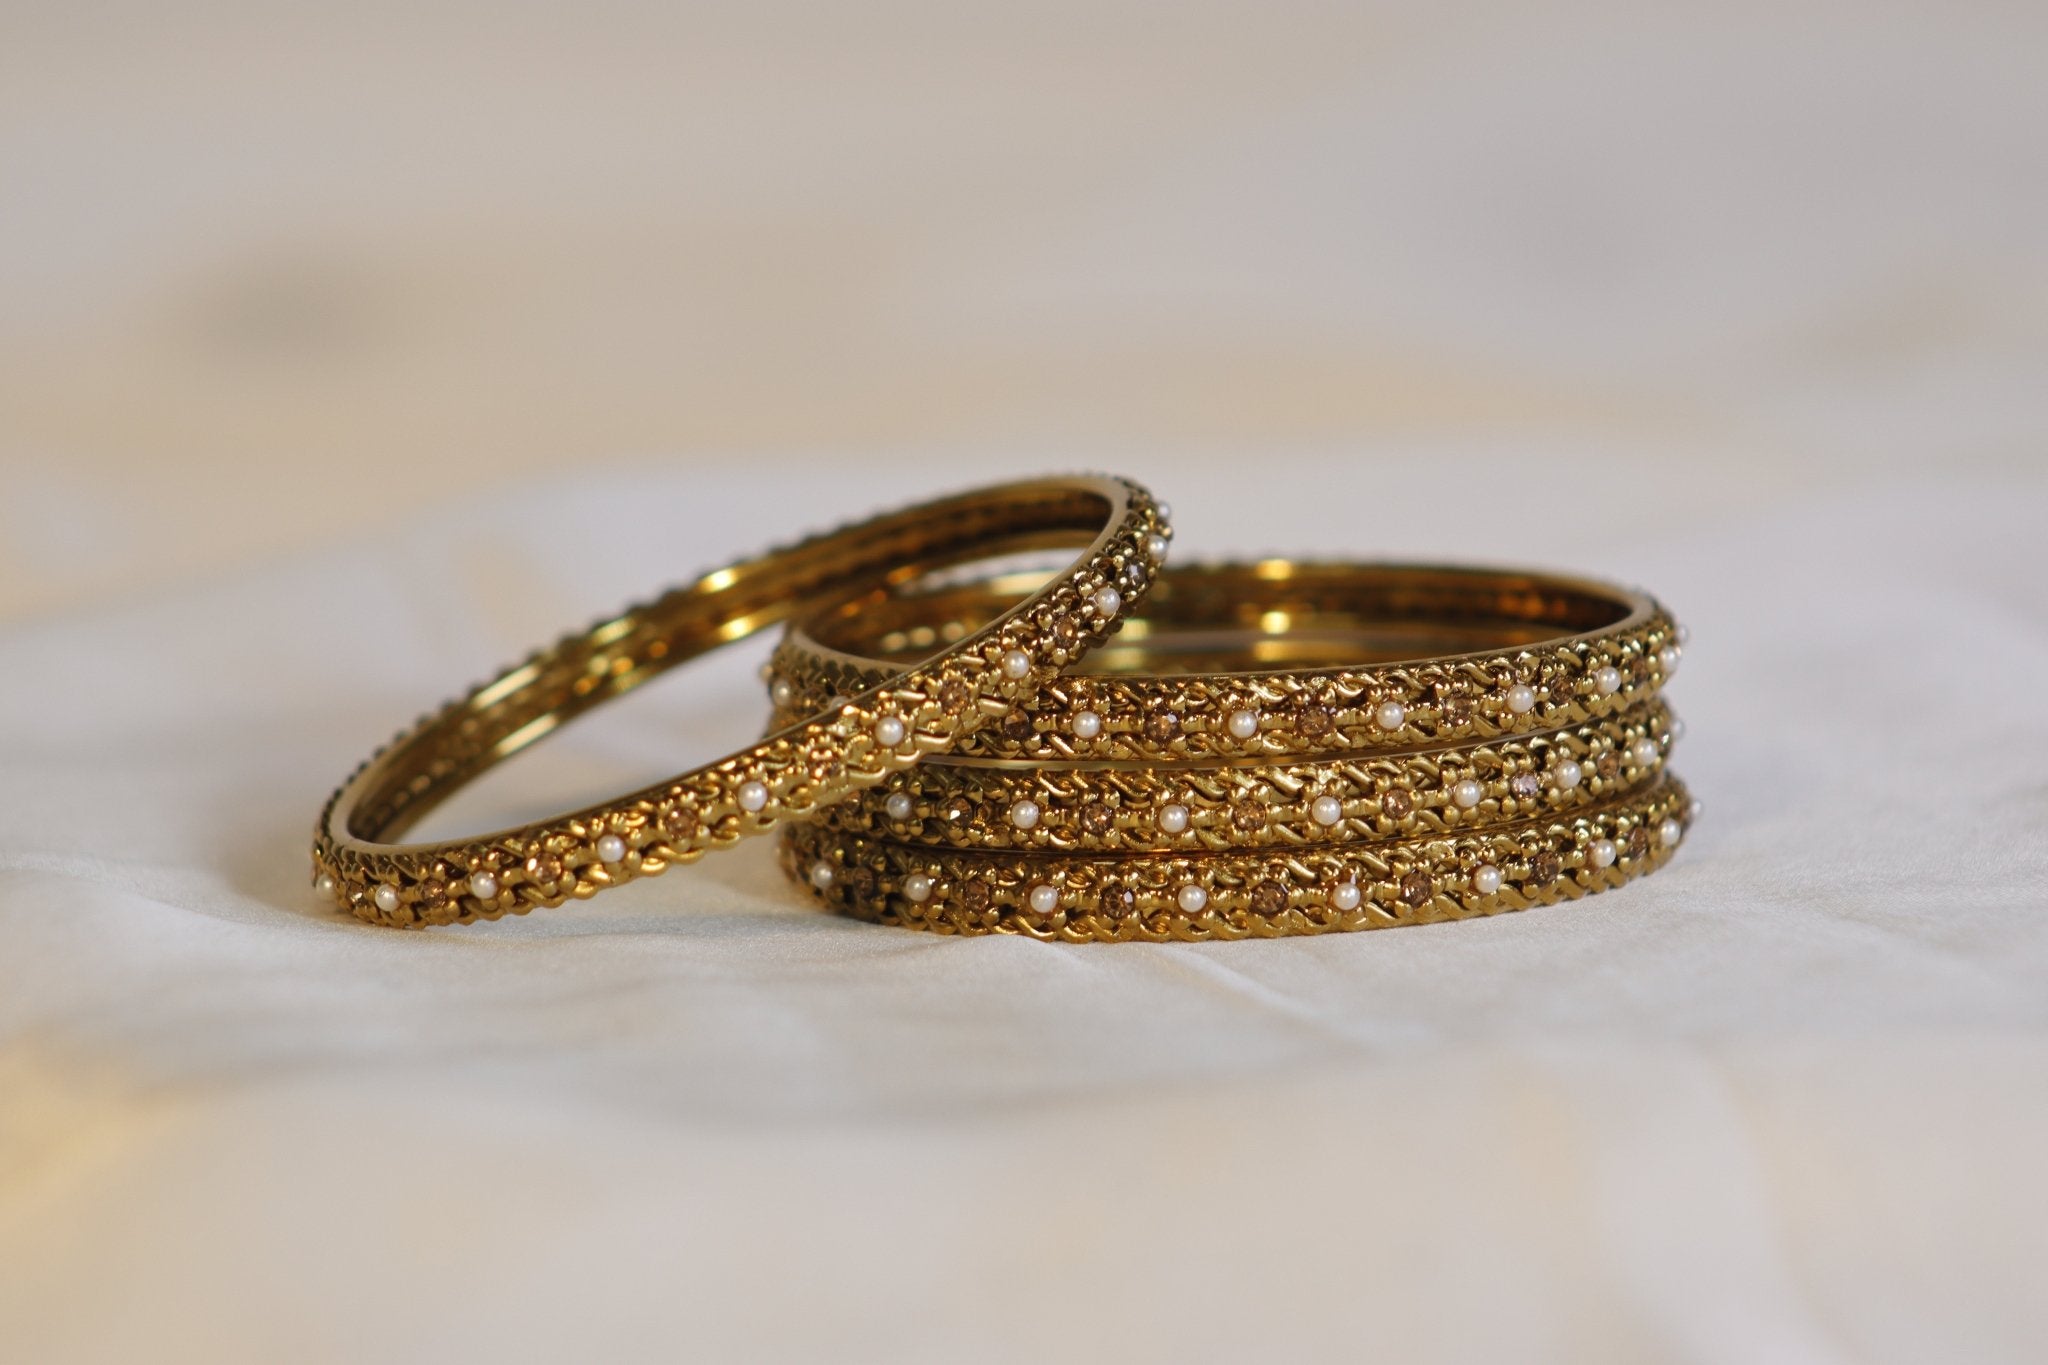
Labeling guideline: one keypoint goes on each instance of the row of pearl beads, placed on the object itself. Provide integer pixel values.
(1246, 723)
(1173, 818)
(1105, 602)
(1192, 897)
(612, 850)
(1485, 880)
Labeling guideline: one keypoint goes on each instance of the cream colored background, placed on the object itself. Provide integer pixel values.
(347, 353)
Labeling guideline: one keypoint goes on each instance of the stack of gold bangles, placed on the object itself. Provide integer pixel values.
(1263, 748)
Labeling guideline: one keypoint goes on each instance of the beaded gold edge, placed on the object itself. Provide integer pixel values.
(881, 728)
(961, 804)
(1082, 898)
(1297, 713)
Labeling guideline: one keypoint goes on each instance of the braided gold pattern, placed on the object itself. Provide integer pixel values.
(1599, 651)
(880, 728)
(1241, 894)
(965, 804)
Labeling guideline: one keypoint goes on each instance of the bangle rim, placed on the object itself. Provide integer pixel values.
(812, 762)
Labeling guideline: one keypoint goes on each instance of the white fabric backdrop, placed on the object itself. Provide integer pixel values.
(1751, 309)
(1784, 1102)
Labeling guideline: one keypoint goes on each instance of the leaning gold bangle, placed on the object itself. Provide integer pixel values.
(1242, 805)
(880, 728)
(1238, 894)
(1568, 651)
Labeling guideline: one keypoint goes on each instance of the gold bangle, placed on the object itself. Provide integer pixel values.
(1168, 807)
(1082, 897)
(881, 728)
(1567, 651)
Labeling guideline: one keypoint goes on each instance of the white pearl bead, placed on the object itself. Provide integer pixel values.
(1107, 602)
(1016, 664)
(917, 887)
(753, 796)
(899, 806)
(1684, 635)
(1164, 510)
(1173, 818)
(324, 884)
(1045, 899)
(1667, 659)
(1392, 715)
(1468, 794)
(1602, 853)
(833, 704)
(1521, 699)
(890, 731)
(1085, 725)
(1191, 898)
(822, 875)
(1346, 895)
(483, 886)
(1677, 729)
(782, 692)
(1024, 815)
(386, 898)
(1696, 809)
(1567, 774)
(1607, 680)
(1244, 724)
(1669, 833)
(611, 849)
(1326, 811)
(1155, 546)
(1645, 753)
(1486, 879)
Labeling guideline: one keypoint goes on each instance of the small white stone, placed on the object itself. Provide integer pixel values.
(1045, 899)
(1486, 879)
(1669, 833)
(1684, 635)
(917, 887)
(324, 885)
(1391, 715)
(1645, 753)
(1164, 510)
(1244, 724)
(1567, 774)
(753, 796)
(1346, 895)
(1696, 810)
(1024, 815)
(1326, 811)
(782, 692)
(1016, 664)
(1155, 546)
(1468, 794)
(1677, 730)
(1667, 659)
(1521, 699)
(483, 886)
(1085, 725)
(1607, 680)
(890, 731)
(899, 806)
(611, 849)
(386, 898)
(1107, 602)
(1173, 818)
(1602, 853)
(1191, 898)
(823, 875)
